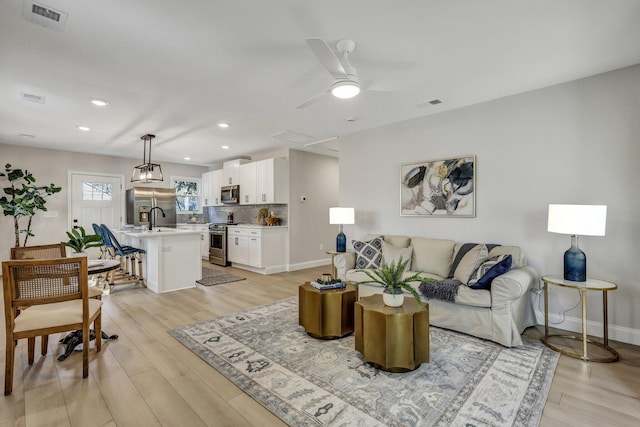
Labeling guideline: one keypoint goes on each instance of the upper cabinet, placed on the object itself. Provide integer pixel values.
(272, 181)
(262, 182)
(231, 172)
(248, 184)
(211, 183)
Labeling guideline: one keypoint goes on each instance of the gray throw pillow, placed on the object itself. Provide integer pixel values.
(368, 254)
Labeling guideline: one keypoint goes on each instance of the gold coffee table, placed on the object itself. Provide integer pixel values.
(394, 339)
(326, 314)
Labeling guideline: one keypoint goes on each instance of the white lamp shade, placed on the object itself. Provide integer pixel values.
(584, 220)
(341, 216)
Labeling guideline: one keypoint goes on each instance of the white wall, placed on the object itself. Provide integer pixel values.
(316, 177)
(577, 142)
(52, 166)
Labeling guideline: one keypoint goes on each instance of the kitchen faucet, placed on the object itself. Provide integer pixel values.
(151, 216)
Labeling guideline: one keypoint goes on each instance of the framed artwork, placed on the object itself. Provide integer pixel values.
(439, 188)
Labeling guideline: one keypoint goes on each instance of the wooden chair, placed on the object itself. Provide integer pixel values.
(56, 250)
(55, 292)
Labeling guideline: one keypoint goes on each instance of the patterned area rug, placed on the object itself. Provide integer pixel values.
(309, 382)
(215, 277)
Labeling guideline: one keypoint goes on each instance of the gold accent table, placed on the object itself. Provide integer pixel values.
(394, 339)
(326, 314)
(334, 270)
(583, 287)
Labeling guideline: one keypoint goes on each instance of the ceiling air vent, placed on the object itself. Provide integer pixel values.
(29, 97)
(45, 16)
(291, 136)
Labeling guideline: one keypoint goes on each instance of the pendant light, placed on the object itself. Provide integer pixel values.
(147, 171)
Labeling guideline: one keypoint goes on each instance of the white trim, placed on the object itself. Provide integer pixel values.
(574, 324)
(70, 174)
(309, 264)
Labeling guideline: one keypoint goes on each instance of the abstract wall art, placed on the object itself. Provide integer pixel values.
(439, 188)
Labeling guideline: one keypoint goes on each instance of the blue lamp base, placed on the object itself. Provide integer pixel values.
(341, 241)
(575, 263)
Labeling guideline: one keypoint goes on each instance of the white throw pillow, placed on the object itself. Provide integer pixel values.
(470, 262)
(391, 254)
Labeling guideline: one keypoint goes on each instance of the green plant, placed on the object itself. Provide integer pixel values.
(23, 199)
(389, 277)
(79, 240)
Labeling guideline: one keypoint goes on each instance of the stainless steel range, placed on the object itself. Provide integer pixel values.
(218, 244)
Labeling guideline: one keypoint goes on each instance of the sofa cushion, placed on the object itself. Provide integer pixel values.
(489, 270)
(391, 254)
(474, 255)
(368, 254)
(432, 255)
(355, 276)
(517, 255)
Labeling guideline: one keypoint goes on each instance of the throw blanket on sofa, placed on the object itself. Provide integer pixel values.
(443, 290)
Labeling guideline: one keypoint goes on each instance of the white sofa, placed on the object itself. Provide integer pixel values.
(500, 314)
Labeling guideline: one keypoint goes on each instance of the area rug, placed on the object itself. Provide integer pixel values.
(216, 277)
(309, 382)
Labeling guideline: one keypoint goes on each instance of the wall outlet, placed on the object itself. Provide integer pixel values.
(321, 247)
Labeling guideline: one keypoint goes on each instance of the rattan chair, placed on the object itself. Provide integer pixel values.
(56, 296)
(56, 250)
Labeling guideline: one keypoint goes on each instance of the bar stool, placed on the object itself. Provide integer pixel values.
(126, 254)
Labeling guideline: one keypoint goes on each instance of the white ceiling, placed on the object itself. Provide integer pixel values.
(176, 68)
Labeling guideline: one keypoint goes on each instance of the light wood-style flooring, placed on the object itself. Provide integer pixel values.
(147, 378)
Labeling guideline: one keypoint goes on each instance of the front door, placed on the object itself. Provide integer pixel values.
(95, 198)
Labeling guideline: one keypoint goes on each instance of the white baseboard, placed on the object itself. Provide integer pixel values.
(574, 324)
(309, 264)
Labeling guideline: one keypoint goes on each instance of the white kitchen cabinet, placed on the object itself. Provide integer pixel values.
(231, 171)
(237, 246)
(272, 181)
(204, 244)
(248, 184)
(259, 249)
(211, 183)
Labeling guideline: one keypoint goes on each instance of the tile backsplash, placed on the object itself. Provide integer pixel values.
(244, 214)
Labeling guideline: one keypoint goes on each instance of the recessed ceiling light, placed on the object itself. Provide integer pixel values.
(99, 102)
(187, 158)
(223, 125)
(224, 147)
(84, 128)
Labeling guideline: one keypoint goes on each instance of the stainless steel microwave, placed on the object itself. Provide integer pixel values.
(230, 194)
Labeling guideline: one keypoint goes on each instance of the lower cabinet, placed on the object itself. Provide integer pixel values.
(259, 249)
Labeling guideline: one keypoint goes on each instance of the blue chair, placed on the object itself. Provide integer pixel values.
(98, 232)
(126, 254)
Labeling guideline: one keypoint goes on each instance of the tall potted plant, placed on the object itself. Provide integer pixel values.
(23, 199)
(389, 277)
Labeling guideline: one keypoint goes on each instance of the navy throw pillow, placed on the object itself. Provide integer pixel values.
(489, 270)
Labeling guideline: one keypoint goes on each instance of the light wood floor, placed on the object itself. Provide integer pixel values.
(147, 378)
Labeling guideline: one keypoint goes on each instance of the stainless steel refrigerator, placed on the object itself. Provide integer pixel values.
(142, 200)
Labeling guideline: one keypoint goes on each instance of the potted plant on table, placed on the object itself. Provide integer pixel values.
(389, 277)
(79, 241)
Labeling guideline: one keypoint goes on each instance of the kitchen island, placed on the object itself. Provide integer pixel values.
(172, 260)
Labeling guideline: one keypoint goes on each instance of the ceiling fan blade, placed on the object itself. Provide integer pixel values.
(327, 57)
(312, 100)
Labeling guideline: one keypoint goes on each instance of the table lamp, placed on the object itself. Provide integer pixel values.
(586, 220)
(341, 216)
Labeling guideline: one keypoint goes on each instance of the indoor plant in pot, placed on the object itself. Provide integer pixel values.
(79, 241)
(389, 277)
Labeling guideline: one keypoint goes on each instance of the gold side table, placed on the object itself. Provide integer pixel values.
(326, 314)
(583, 287)
(394, 339)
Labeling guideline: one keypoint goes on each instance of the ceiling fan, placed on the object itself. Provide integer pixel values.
(346, 84)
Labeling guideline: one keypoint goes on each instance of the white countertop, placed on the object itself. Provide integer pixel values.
(256, 226)
(158, 232)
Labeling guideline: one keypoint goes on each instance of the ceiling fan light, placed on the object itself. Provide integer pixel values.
(345, 89)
